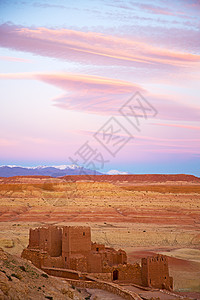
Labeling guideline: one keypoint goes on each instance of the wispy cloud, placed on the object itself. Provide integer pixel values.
(47, 5)
(178, 126)
(101, 95)
(91, 47)
(14, 59)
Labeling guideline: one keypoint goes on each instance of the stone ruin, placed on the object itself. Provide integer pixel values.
(61, 249)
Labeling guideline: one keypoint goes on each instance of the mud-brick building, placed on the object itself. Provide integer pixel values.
(70, 247)
(60, 249)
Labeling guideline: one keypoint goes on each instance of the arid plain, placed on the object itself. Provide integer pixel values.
(142, 214)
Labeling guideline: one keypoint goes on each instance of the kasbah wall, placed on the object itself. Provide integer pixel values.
(56, 249)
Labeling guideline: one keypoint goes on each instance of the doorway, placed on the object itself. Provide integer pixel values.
(115, 274)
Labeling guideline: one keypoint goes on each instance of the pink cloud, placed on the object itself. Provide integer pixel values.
(158, 10)
(14, 59)
(91, 47)
(170, 108)
(103, 95)
(90, 93)
(178, 126)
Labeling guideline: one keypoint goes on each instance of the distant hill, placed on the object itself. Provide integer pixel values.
(56, 171)
(137, 178)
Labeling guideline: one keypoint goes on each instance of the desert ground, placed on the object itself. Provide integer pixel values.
(142, 215)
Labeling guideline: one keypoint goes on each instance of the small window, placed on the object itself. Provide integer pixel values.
(150, 281)
(83, 233)
(65, 234)
(165, 277)
(65, 258)
(97, 249)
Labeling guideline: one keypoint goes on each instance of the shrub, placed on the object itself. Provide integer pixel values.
(9, 278)
(16, 276)
(45, 275)
(23, 268)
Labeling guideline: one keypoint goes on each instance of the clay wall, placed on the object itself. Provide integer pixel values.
(102, 276)
(121, 257)
(107, 258)
(78, 263)
(98, 247)
(52, 262)
(32, 255)
(43, 238)
(125, 273)
(155, 272)
(61, 273)
(106, 286)
(55, 241)
(34, 238)
(94, 263)
(47, 239)
(129, 273)
(76, 239)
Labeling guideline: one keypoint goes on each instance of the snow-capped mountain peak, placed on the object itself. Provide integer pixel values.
(116, 172)
(63, 167)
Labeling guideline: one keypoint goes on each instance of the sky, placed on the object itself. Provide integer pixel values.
(107, 85)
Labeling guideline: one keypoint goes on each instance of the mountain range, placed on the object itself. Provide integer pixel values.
(53, 171)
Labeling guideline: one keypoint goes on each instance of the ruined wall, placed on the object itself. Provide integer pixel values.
(121, 257)
(34, 238)
(125, 273)
(155, 272)
(33, 255)
(47, 239)
(52, 262)
(43, 238)
(61, 273)
(107, 286)
(94, 263)
(130, 273)
(97, 247)
(102, 276)
(78, 263)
